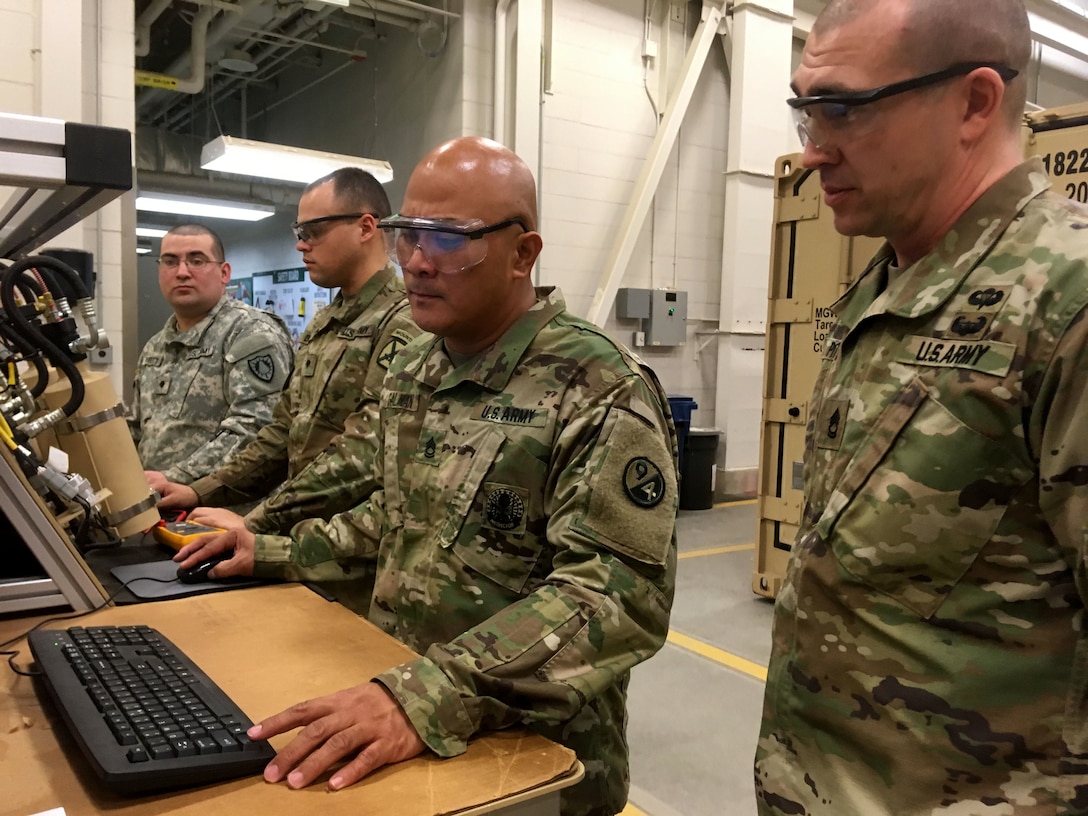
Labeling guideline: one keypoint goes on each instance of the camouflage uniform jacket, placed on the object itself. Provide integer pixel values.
(333, 378)
(929, 653)
(525, 539)
(200, 395)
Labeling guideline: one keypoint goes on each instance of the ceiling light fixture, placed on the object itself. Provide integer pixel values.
(150, 232)
(143, 250)
(228, 154)
(203, 207)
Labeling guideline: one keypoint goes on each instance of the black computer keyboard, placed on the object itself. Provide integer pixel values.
(144, 714)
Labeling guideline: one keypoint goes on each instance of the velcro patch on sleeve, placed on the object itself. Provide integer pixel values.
(632, 489)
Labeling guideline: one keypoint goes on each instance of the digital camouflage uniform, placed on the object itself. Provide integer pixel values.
(342, 358)
(200, 395)
(928, 651)
(524, 536)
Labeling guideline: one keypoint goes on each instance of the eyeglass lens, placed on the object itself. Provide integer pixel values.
(193, 262)
(445, 251)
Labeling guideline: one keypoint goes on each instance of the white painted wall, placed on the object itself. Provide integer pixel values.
(598, 126)
(73, 60)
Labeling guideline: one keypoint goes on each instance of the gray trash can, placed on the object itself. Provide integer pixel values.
(697, 470)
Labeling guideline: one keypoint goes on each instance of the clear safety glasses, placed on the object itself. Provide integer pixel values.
(820, 118)
(449, 245)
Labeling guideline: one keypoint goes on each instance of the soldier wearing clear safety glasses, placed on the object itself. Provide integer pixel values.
(929, 642)
(523, 522)
(207, 382)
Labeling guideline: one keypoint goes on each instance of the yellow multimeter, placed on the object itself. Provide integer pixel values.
(176, 534)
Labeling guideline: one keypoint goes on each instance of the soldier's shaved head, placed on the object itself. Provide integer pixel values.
(485, 174)
(473, 180)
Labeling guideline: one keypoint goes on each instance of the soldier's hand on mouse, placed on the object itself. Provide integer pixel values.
(241, 541)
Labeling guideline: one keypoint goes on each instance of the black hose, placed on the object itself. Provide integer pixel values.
(59, 358)
(44, 262)
(30, 354)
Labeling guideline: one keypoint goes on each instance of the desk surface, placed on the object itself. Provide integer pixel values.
(267, 648)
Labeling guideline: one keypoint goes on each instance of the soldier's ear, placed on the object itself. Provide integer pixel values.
(224, 272)
(528, 248)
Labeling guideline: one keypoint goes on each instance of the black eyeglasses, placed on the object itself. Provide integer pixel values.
(306, 231)
(815, 116)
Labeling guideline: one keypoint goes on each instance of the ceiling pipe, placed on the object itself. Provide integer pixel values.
(198, 48)
(409, 4)
(377, 16)
(216, 32)
(143, 25)
(266, 59)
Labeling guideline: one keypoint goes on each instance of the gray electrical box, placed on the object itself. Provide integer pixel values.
(667, 325)
(664, 310)
(633, 303)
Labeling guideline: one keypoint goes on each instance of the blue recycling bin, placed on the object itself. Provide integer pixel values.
(681, 407)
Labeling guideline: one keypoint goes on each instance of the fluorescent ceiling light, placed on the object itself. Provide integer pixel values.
(203, 207)
(150, 232)
(143, 250)
(227, 154)
(337, 2)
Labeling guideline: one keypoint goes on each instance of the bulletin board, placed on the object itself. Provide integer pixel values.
(290, 294)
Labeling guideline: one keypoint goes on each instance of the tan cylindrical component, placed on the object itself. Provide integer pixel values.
(100, 449)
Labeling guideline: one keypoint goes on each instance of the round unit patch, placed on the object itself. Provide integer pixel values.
(504, 509)
(643, 482)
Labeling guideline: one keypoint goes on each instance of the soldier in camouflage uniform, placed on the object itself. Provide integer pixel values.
(342, 358)
(524, 529)
(208, 381)
(929, 643)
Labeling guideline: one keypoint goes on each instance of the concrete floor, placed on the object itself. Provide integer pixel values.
(695, 706)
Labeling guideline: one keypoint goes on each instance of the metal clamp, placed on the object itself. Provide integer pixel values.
(82, 423)
(121, 516)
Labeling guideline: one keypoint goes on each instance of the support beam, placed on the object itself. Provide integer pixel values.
(650, 175)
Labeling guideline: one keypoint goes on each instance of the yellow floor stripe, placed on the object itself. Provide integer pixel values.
(718, 655)
(736, 503)
(631, 810)
(716, 550)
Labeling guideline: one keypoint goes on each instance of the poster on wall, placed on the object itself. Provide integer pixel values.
(291, 295)
(241, 289)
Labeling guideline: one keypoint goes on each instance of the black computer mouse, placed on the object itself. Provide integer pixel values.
(198, 574)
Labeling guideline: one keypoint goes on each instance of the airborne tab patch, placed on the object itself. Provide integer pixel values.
(984, 356)
(512, 415)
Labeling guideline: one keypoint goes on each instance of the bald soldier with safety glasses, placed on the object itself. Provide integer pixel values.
(523, 520)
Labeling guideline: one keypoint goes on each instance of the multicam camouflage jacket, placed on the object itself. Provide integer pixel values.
(929, 653)
(200, 395)
(525, 539)
(342, 359)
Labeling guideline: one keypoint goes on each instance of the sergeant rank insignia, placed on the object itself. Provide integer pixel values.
(643, 482)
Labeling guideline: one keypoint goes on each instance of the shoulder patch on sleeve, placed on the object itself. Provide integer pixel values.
(263, 367)
(398, 340)
(643, 482)
(633, 492)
